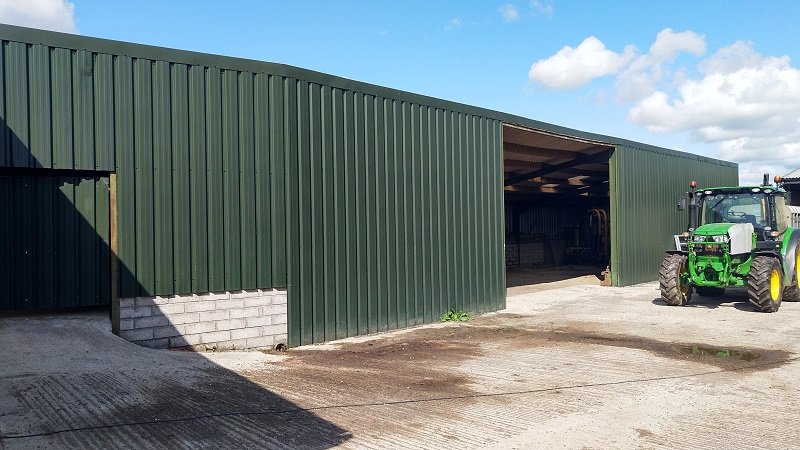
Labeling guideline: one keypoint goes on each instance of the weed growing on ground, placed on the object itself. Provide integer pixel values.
(454, 316)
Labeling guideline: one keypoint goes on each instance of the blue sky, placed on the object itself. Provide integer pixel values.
(718, 78)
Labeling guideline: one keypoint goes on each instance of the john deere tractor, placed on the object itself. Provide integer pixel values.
(737, 236)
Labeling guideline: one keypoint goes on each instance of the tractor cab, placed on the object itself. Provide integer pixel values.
(763, 207)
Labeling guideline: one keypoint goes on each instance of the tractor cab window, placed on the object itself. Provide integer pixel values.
(736, 208)
(782, 214)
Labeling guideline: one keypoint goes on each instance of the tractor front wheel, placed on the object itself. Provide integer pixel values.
(792, 292)
(709, 291)
(765, 284)
(674, 291)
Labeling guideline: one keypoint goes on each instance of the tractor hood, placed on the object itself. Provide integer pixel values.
(713, 229)
(740, 235)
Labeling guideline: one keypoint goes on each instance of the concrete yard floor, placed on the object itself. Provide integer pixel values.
(576, 367)
(527, 280)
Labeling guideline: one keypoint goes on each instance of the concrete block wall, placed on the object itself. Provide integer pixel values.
(221, 321)
(525, 254)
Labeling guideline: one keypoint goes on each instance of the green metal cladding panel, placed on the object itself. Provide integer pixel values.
(54, 236)
(645, 187)
(398, 213)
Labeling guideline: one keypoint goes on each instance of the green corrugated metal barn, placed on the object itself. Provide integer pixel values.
(130, 172)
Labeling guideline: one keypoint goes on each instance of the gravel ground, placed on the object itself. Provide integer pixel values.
(581, 366)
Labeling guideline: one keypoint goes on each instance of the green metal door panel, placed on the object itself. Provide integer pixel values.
(645, 186)
(44, 223)
(54, 243)
(102, 241)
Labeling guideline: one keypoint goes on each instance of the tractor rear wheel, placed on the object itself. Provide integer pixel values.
(709, 291)
(765, 284)
(674, 291)
(792, 292)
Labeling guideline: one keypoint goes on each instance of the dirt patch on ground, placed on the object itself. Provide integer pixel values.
(411, 366)
(420, 363)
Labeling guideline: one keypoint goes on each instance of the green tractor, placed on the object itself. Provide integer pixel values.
(737, 237)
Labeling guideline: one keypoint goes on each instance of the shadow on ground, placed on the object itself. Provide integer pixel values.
(732, 298)
(67, 382)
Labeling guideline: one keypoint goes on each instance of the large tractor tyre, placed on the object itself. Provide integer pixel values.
(765, 284)
(674, 292)
(709, 291)
(792, 292)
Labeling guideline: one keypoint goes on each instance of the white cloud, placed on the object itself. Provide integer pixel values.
(542, 8)
(642, 76)
(745, 103)
(509, 12)
(571, 67)
(56, 15)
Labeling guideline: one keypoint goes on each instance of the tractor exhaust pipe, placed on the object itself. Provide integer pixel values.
(766, 180)
(692, 206)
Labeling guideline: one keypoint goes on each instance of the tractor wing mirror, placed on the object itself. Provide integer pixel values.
(682, 204)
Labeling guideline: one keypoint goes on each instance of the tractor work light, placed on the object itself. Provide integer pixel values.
(755, 190)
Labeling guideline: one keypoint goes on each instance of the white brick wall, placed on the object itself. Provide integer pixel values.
(224, 321)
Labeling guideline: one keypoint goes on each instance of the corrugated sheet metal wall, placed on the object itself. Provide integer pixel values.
(399, 213)
(645, 187)
(377, 213)
(200, 203)
(54, 232)
(551, 221)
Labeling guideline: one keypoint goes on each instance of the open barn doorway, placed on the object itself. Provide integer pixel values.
(557, 210)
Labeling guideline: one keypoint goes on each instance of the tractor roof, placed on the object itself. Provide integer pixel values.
(768, 189)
